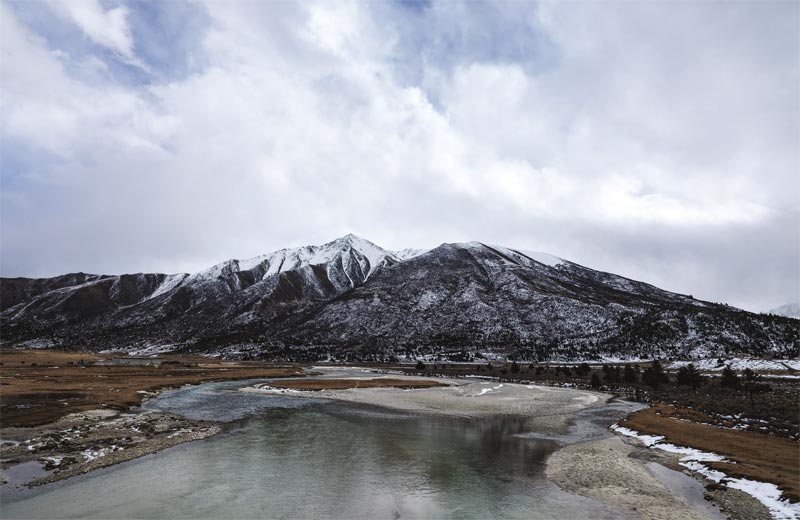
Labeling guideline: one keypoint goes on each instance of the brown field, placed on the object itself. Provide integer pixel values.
(758, 456)
(40, 386)
(344, 384)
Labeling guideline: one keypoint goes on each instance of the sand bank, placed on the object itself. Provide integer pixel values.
(605, 470)
(548, 409)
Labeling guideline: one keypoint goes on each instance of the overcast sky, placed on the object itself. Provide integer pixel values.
(660, 141)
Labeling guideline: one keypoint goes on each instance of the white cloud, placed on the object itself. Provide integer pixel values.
(636, 151)
(108, 28)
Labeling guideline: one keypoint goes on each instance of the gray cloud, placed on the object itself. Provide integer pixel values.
(656, 140)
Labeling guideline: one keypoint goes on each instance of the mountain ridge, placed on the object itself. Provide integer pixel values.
(350, 297)
(789, 310)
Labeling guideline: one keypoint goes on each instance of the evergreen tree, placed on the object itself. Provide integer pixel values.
(689, 376)
(753, 385)
(654, 375)
(631, 374)
(729, 378)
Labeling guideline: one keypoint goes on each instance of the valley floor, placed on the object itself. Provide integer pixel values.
(67, 414)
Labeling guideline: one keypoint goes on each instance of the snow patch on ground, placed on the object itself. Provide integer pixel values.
(487, 390)
(153, 350)
(91, 454)
(272, 390)
(766, 493)
(713, 364)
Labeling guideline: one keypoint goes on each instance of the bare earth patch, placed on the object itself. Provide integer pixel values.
(41, 386)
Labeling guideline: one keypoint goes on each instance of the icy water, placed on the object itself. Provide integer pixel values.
(288, 457)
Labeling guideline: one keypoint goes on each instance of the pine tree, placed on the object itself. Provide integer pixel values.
(689, 376)
(631, 375)
(729, 378)
(654, 375)
(752, 384)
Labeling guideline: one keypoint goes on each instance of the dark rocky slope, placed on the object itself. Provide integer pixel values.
(354, 299)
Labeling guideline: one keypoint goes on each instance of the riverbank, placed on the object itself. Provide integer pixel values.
(41, 386)
(82, 442)
(64, 414)
(610, 471)
(748, 454)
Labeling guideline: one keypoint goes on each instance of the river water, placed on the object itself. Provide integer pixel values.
(290, 457)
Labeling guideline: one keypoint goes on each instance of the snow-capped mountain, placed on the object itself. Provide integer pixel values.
(790, 310)
(353, 298)
(292, 277)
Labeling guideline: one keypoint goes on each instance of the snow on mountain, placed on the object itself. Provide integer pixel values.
(170, 282)
(369, 257)
(542, 258)
(350, 295)
(790, 310)
(408, 253)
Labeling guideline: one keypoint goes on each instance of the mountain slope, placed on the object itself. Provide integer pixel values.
(790, 310)
(271, 285)
(487, 297)
(354, 298)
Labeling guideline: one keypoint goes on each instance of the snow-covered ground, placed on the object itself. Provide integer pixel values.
(713, 364)
(766, 493)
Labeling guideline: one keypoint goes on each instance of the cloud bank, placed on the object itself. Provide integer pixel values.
(655, 140)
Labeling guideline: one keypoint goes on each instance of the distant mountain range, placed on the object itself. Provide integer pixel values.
(350, 299)
(790, 310)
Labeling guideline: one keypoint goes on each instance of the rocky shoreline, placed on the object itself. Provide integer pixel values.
(82, 442)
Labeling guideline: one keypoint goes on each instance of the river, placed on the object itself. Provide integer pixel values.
(291, 457)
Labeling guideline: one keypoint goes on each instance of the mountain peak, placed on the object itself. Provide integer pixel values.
(354, 240)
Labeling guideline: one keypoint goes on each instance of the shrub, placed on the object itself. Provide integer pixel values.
(689, 376)
(631, 374)
(729, 378)
(654, 375)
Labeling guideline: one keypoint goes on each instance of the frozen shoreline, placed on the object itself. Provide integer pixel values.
(768, 494)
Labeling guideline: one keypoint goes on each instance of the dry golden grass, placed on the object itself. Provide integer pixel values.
(39, 386)
(758, 456)
(344, 384)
